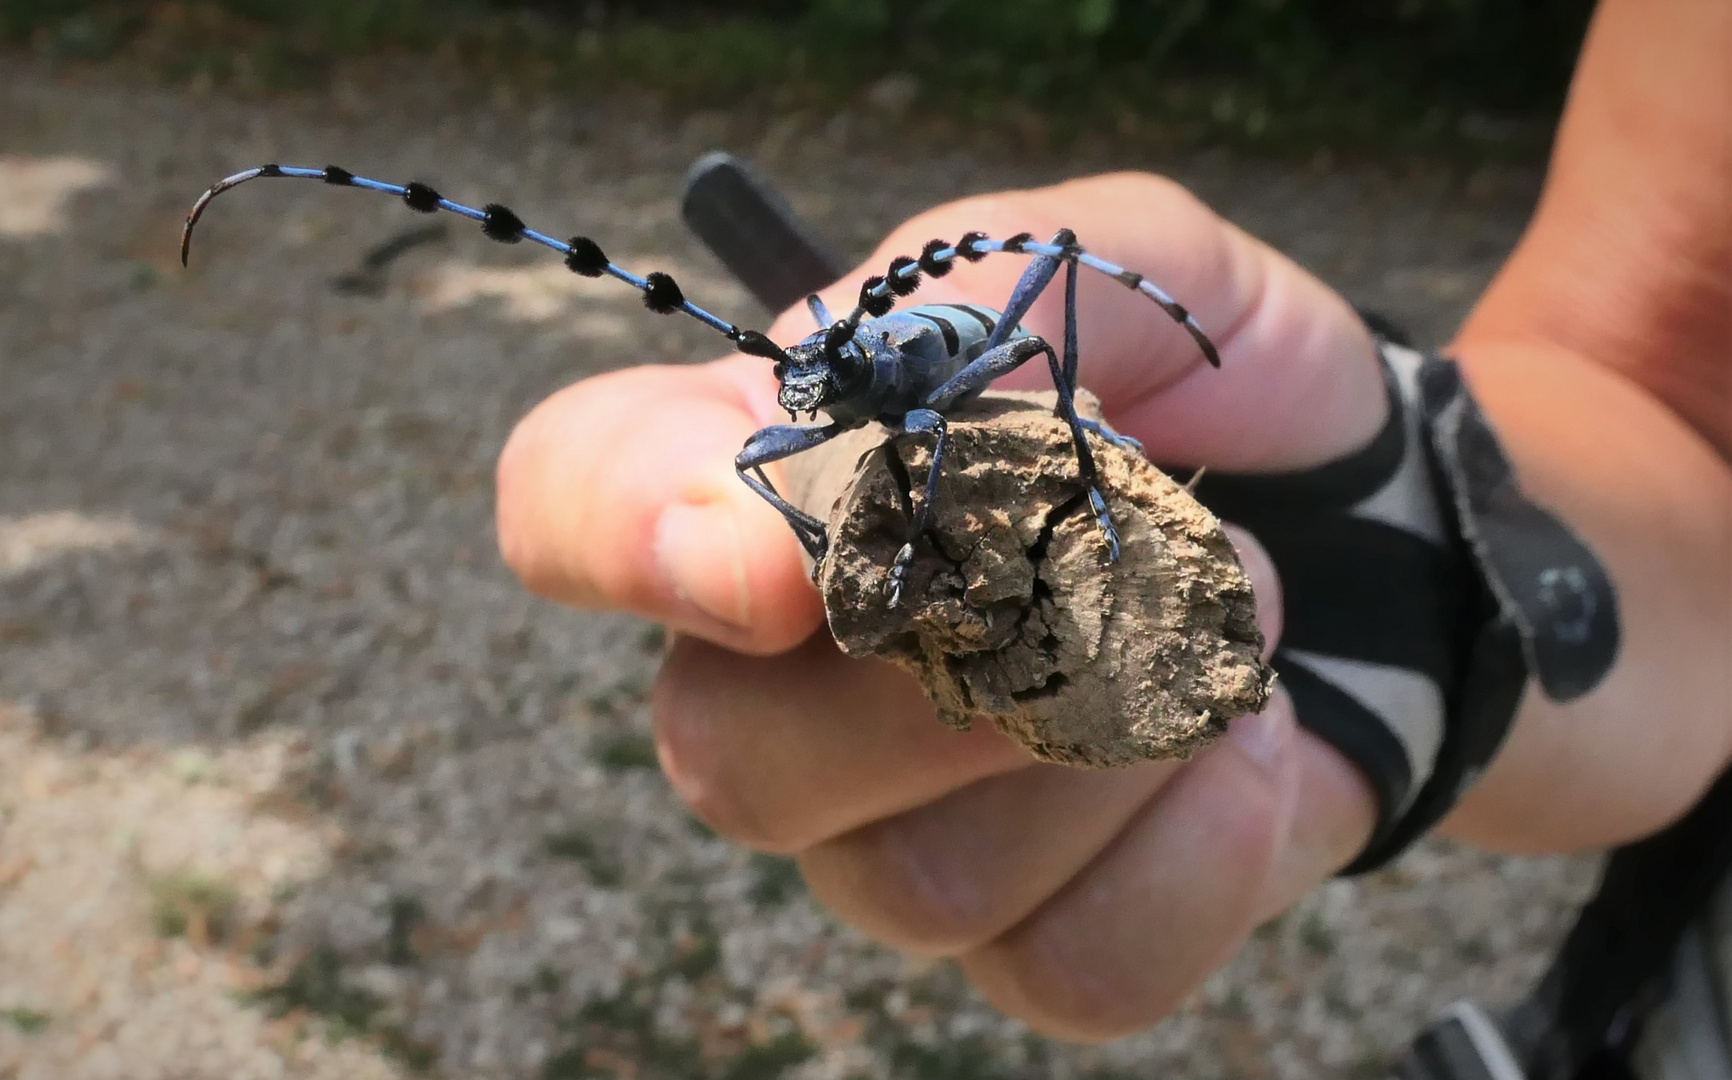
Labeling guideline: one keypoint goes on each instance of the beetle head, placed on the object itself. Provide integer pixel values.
(817, 372)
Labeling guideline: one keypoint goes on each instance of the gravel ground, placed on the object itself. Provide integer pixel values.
(295, 781)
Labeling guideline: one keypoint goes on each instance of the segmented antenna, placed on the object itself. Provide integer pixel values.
(582, 255)
(878, 294)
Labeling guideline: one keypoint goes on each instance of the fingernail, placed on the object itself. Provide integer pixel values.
(1262, 736)
(698, 549)
(1265, 583)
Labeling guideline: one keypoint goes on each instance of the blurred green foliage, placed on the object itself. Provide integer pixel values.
(1269, 71)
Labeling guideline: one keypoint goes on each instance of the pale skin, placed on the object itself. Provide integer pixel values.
(1090, 903)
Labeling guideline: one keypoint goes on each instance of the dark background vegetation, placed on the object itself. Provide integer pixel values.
(1282, 75)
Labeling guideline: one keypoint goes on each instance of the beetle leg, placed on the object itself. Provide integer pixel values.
(1123, 442)
(773, 444)
(919, 422)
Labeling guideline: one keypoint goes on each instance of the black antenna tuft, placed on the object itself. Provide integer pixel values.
(661, 294)
(500, 224)
(420, 197)
(900, 283)
(871, 304)
(585, 257)
(930, 264)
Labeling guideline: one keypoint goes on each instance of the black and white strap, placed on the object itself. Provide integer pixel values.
(1421, 590)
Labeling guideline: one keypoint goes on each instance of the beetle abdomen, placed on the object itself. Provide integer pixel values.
(962, 328)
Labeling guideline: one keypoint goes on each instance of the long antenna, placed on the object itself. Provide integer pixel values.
(878, 294)
(582, 255)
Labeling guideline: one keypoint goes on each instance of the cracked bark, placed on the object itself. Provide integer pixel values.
(1011, 609)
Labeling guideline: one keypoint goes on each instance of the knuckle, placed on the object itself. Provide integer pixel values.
(532, 539)
(681, 741)
(1084, 1006)
(719, 803)
(513, 505)
(1251, 838)
(1145, 186)
(1035, 974)
(1073, 969)
(907, 894)
(704, 766)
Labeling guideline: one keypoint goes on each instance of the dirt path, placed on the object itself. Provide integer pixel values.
(295, 781)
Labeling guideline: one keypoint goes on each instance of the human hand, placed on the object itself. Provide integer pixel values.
(1086, 903)
(1600, 353)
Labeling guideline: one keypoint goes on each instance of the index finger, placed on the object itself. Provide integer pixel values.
(620, 492)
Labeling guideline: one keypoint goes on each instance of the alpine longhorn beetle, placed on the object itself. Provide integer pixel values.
(905, 369)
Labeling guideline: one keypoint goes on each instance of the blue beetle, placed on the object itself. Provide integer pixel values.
(905, 369)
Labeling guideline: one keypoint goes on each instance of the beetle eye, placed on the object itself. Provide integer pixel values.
(781, 370)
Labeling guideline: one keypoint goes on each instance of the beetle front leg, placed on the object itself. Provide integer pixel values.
(773, 444)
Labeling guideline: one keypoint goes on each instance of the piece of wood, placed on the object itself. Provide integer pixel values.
(1012, 610)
